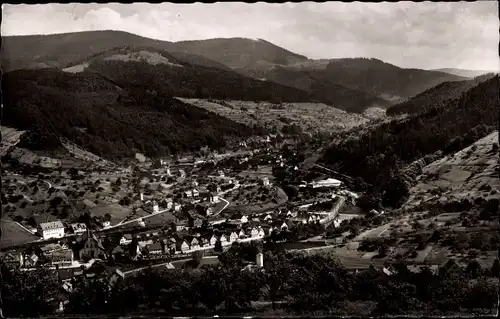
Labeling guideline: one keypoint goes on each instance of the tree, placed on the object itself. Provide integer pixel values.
(218, 246)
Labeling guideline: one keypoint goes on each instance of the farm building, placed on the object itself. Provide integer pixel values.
(51, 230)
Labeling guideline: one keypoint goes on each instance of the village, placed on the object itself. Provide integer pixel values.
(163, 211)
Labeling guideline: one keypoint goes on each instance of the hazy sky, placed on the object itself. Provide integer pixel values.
(422, 35)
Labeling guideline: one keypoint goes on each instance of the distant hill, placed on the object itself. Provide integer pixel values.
(383, 79)
(60, 50)
(161, 72)
(240, 53)
(436, 97)
(350, 84)
(464, 73)
(112, 120)
(351, 100)
(353, 84)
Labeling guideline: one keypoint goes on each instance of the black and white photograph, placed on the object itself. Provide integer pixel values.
(235, 159)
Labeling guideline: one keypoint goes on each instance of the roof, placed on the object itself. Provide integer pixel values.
(155, 246)
(78, 226)
(51, 225)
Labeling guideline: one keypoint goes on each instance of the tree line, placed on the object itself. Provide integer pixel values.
(294, 283)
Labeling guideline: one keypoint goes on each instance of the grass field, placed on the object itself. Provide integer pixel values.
(117, 212)
(13, 234)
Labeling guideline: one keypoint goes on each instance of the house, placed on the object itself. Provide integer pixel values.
(126, 239)
(63, 257)
(168, 203)
(170, 245)
(182, 172)
(329, 182)
(283, 226)
(241, 234)
(155, 248)
(181, 245)
(13, 259)
(193, 242)
(244, 219)
(223, 238)
(106, 220)
(268, 218)
(261, 232)
(214, 198)
(116, 276)
(51, 229)
(233, 236)
(177, 207)
(90, 246)
(156, 208)
(213, 240)
(265, 181)
(188, 194)
(195, 192)
(117, 252)
(254, 232)
(78, 228)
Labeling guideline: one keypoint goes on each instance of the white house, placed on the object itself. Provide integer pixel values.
(233, 237)
(244, 219)
(265, 181)
(261, 232)
(78, 228)
(51, 229)
(142, 196)
(214, 198)
(156, 209)
(223, 238)
(177, 207)
(213, 240)
(254, 232)
(195, 193)
(126, 239)
(329, 182)
(182, 172)
(188, 194)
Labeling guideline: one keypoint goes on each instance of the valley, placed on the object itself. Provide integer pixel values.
(233, 176)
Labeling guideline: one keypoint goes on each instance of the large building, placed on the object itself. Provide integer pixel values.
(51, 230)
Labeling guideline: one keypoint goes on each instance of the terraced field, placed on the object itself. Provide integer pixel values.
(311, 117)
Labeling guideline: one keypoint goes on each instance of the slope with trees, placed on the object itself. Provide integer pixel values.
(111, 119)
(377, 155)
(436, 97)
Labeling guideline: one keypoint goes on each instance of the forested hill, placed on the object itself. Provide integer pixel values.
(178, 78)
(383, 79)
(437, 96)
(107, 119)
(376, 155)
(341, 97)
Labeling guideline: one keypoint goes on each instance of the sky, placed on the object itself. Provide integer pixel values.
(423, 35)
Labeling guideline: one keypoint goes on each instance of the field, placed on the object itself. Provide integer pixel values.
(311, 117)
(13, 234)
(252, 204)
(117, 212)
(460, 176)
(436, 223)
(163, 219)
